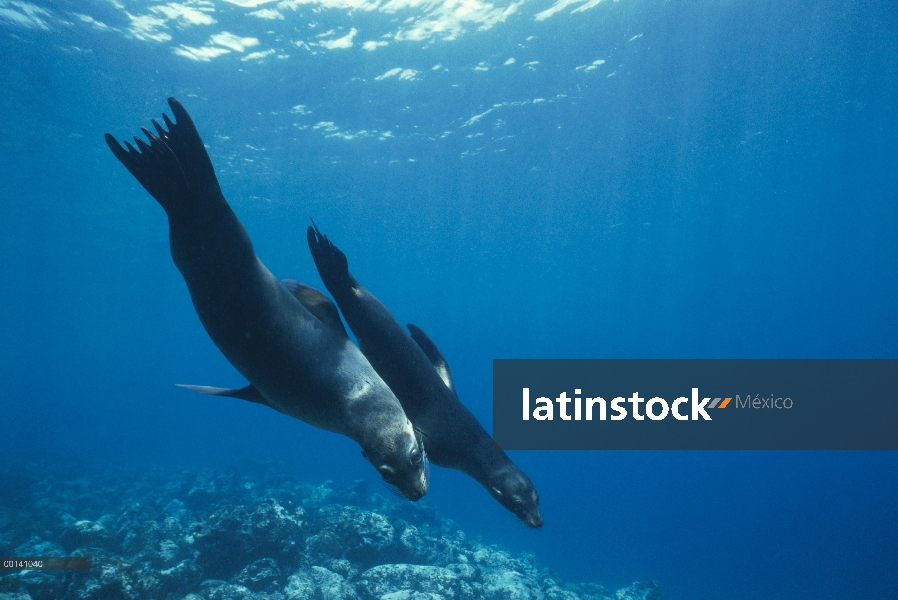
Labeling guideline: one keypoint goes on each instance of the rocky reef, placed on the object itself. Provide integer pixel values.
(259, 536)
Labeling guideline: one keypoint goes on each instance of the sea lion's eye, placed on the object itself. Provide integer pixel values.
(416, 458)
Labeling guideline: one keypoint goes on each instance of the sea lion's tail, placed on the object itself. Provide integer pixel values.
(175, 167)
(330, 261)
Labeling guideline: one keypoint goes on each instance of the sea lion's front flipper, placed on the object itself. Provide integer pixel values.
(175, 167)
(316, 303)
(248, 393)
(433, 354)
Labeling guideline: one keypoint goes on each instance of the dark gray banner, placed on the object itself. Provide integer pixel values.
(695, 404)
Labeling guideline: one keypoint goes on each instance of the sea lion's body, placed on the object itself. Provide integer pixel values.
(296, 363)
(418, 374)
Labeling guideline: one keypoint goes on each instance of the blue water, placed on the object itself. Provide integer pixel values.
(724, 184)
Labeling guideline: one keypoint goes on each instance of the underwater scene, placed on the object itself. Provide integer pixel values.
(428, 186)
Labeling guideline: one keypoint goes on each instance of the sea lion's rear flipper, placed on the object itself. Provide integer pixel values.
(330, 261)
(316, 303)
(433, 354)
(175, 167)
(248, 393)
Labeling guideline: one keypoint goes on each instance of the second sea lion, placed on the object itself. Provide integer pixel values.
(418, 374)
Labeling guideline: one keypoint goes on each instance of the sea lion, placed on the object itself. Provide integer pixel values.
(418, 374)
(297, 363)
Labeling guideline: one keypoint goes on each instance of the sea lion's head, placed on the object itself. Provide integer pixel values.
(399, 457)
(513, 489)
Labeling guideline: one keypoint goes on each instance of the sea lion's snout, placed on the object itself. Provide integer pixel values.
(413, 468)
(410, 487)
(526, 509)
(404, 472)
(516, 493)
(417, 472)
(418, 492)
(530, 508)
(534, 519)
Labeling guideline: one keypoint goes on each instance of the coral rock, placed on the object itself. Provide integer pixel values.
(643, 590)
(389, 579)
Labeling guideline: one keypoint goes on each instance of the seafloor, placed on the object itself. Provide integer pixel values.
(259, 535)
